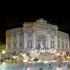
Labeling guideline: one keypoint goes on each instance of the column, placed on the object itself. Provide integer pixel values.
(55, 42)
(25, 40)
(37, 45)
(64, 44)
(18, 40)
(68, 45)
(60, 43)
(33, 40)
(49, 41)
(46, 44)
(12, 42)
(52, 44)
(6, 44)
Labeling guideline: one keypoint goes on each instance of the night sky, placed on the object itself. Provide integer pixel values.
(13, 14)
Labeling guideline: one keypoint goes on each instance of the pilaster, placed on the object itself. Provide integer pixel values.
(46, 44)
(6, 44)
(49, 41)
(12, 42)
(33, 40)
(68, 45)
(25, 39)
(18, 40)
(65, 44)
(60, 42)
(55, 42)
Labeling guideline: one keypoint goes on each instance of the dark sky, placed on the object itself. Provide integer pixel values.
(14, 13)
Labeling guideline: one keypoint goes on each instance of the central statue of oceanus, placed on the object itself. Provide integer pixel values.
(41, 45)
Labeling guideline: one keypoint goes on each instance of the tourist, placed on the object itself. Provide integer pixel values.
(69, 67)
(64, 67)
(59, 67)
(50, 67)
(41, 69)
(29, 68)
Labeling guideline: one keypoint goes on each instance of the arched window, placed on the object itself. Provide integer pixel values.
(14, 35)
(20, 44)
(20, 34)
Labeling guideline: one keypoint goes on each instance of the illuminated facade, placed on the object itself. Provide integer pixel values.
(36, 35)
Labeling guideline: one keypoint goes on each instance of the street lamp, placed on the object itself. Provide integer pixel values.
(3, 52)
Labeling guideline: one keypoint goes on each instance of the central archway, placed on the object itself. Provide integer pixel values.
(41, 40)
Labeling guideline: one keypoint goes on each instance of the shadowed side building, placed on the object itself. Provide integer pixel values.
(2, 48)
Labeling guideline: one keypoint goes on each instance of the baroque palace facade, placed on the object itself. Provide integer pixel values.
(33, 35)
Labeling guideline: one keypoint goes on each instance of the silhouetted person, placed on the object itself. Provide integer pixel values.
(50, 67)
(69, 67)
(41, 69)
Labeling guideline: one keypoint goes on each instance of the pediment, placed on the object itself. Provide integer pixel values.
(41, 23)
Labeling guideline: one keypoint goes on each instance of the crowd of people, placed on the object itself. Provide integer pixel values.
(50, 67)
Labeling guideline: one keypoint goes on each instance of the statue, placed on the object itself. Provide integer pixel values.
(41, 46)
(29, 44)
(52, 46)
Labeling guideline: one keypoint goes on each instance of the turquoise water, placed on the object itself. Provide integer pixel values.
(35, 66)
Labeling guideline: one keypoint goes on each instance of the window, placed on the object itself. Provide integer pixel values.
(58, 45)
(20, 44)
(20, 34)
(14, 44)
(9, 36)
(8, 46)
(14, 35)
(62, 38)
(66, 46)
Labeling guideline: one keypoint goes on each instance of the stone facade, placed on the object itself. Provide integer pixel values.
(36, 35)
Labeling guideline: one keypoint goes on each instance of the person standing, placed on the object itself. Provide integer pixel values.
(50, 67)
(41, 69)
(64, 67)
(69, 67)
(29, 68)
(59, 67)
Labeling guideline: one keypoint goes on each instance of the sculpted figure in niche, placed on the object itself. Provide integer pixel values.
(52, 46)
(41, 45)
(29, 44)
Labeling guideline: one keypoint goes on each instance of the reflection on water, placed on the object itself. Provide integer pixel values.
(35, 66)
